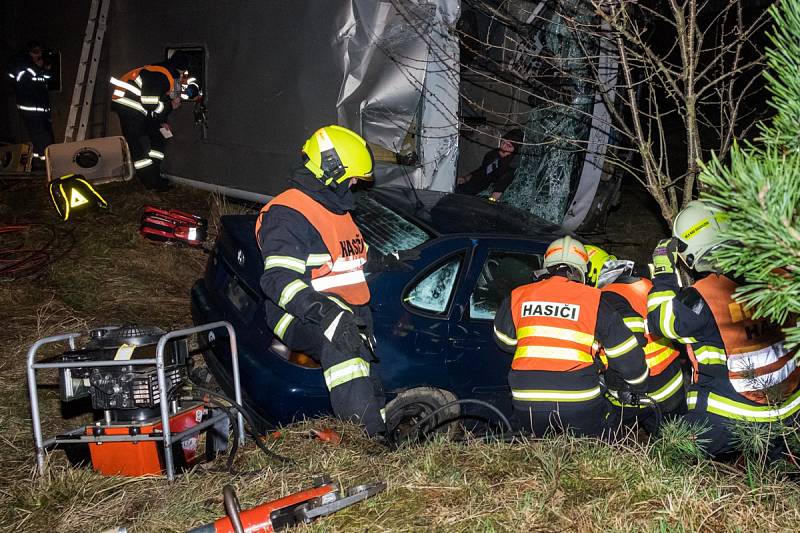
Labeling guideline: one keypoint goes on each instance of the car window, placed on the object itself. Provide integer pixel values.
(385, 229)
(432, 293)
(502, 273)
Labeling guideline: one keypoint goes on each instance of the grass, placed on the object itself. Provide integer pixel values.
(111, 276)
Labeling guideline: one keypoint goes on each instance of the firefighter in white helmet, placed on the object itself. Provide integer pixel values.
(742, 370)
(555, 327)
(314, 258)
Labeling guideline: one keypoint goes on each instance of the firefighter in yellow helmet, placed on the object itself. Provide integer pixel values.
(553, 327)
(627, 293)
(314, 258)
(742, 370)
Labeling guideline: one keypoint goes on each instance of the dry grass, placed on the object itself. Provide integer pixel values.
(113, 276)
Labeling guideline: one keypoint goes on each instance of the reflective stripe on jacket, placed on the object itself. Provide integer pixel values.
(339, 272)
(659, 352)
(128, 89)
(555, 322)
(760, 368)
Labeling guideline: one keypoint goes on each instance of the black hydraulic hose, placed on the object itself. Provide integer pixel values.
(465, 401)
(252, 427)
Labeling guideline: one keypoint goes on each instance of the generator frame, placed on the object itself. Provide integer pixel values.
(165, 437)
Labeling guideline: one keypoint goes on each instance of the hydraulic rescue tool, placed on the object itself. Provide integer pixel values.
(133, 377)
(302, 507)
(172, 225)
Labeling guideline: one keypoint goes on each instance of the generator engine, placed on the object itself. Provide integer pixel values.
(124, 392)
(130, 401)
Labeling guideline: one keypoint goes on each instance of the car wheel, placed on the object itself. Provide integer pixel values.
(409, 408)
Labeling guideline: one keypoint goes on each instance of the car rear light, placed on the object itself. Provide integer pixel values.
(302, 359)
(297, 358)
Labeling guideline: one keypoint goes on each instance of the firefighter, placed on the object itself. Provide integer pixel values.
(143, 98)
(742, 370)
(553, 326)
(30, 73)
(627, 293)
(314, 257)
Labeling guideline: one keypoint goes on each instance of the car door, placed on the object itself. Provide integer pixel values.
(476, 364)
(412, 314)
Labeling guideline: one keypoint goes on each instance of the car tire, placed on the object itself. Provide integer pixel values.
(410, 407)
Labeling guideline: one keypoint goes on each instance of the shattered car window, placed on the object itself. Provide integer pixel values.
(434, 291)
(386, 230)
(502, 273)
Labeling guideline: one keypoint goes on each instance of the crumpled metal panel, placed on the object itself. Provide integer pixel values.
(392, 55)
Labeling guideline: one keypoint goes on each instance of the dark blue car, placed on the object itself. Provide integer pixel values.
(433, 321)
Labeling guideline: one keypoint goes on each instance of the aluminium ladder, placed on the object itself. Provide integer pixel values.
(85, 79)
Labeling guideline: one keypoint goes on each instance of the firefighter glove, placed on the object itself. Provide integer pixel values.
(343, 332)
(665, 256)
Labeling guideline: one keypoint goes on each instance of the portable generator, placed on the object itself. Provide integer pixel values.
(132, 376)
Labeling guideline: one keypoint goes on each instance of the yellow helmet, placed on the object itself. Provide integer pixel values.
(597, 258)
(566, 251)
(698, 229)
(335, 154)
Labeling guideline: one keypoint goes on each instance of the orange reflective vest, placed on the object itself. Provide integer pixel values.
(343, 273)
(555, 321)
(129, 81)
(759, 366)
(659, 352)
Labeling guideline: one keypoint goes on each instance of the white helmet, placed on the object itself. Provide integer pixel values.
(698, 229)
(566, 251)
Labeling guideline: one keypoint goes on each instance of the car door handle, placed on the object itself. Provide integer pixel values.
(466, 344)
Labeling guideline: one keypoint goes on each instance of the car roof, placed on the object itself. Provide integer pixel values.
(448, 213)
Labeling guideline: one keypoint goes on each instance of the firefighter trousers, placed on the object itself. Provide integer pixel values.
(145, 143)
(40, 130)
(564, 402)
(721, 437)
(356, 391)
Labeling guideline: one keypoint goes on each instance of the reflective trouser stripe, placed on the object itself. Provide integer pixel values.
(691, 400)
(141, 163)
(283, 325)
(383, 414)
(346, 371)
(555, 395)
(155, 154)
(719, 405)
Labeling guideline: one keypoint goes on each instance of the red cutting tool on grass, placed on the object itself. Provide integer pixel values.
(322, 499)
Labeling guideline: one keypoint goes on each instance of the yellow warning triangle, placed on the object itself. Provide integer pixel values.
(77, 199)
